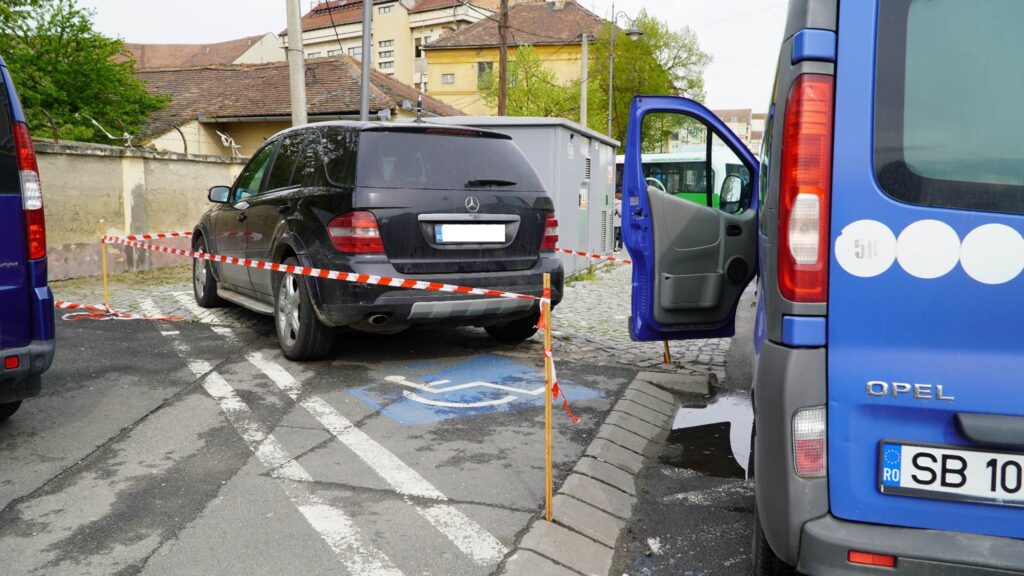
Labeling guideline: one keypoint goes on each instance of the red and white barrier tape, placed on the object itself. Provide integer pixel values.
(556, 390)
(159, 236)
(101, 312)
(320, 273)
(594, 256)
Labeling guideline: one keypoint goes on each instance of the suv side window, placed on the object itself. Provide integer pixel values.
(329, 158)
(251, 178)
(285, 161)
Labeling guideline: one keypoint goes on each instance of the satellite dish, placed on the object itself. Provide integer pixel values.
(384, 114)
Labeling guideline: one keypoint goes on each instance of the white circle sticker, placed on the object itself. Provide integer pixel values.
(993, 254)
(928, 249)
(866, 248)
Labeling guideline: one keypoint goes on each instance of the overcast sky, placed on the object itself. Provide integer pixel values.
(742, 35)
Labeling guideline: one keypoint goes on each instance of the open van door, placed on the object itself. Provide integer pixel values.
(692, 234)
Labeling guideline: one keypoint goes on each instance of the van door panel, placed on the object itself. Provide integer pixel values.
(907, 311)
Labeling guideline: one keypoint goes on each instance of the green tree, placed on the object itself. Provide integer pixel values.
(661, 61)
(533, 89)
(68, 74)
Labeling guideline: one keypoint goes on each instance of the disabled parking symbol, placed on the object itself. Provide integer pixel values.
(431, 392)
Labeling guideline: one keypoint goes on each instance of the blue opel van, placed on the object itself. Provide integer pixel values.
(883, 223)
(26, 303)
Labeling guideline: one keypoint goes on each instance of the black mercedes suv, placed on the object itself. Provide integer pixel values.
(418, 201)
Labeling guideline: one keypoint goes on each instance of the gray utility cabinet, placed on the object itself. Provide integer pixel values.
(577, 167)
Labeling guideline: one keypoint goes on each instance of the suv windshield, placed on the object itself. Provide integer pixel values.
(442, 160)
(944, 134)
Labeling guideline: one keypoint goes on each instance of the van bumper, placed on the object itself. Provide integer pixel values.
(25, 381)
(827, 541)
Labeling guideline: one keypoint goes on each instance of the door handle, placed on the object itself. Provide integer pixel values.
(284, 208)
(638, 213)
(733, 230)
(242, 217)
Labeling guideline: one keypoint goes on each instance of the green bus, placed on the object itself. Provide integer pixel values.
(684, 173)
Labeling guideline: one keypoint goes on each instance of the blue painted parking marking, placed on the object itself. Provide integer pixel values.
(427, 392)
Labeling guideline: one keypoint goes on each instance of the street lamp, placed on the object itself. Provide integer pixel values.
(634, 32)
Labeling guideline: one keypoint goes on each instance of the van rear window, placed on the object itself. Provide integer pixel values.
(947, 123)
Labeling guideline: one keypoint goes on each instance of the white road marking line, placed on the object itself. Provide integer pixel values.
(441, 404)
(471, 538)
(225, 332)
(430, 387)
(333, 525)
(201, 314)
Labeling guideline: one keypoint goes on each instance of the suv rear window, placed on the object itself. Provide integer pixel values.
(444, 160)
(946, 126)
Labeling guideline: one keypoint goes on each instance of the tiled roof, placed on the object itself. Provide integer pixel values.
(185, 55)
(428, 5)
(332, 88)
(530, 23)
(740, 115)
(334, 13)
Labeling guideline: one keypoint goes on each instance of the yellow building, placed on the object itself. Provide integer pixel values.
(400, 28)
(459, 63)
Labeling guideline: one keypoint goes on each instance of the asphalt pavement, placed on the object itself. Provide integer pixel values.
(190, 448)
(694, 501)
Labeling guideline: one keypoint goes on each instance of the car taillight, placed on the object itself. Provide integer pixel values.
(356, 233)
(31, 193)
(810, 452)
(550, 233)
(805, 189)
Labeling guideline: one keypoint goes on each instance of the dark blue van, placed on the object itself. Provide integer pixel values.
(884, 224)
(26, 303)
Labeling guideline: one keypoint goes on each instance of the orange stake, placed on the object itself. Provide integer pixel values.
(548, 472)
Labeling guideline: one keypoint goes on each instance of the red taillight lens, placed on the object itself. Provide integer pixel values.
(31, 193)
(550, 241)
(356, 233)
(805, 189)
(11, 362)
(869, 559)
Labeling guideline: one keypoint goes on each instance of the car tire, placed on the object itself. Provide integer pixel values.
(763, 559)
(516, 330)
(8, 410)
(300, 333)
(204, 286)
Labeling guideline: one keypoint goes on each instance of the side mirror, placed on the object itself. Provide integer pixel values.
(731, 195)
(219, 194)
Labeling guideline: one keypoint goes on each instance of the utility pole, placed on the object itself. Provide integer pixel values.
(585, 45)
(367, 58)
(611, 69)
(503, 58)
(296, 63)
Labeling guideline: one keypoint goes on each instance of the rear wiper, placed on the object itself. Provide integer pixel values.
(488, 182)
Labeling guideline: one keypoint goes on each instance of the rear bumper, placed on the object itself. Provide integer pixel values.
(24, 381)
(827, 541)
(344, 303)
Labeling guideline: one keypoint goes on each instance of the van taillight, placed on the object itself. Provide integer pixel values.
(550, 233)
(356, 233)
(805, 189)
(31, 193)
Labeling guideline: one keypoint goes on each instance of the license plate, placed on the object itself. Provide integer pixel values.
(951, 473)
(469, 233)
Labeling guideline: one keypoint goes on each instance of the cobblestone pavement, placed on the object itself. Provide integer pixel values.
(589, 325)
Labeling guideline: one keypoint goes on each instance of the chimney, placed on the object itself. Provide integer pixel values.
(559, 4)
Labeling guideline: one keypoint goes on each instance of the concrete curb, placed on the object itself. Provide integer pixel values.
(595, 503)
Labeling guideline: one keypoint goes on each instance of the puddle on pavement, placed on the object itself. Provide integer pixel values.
(712, 439)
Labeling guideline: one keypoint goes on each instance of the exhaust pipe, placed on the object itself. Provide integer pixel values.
(379, 319)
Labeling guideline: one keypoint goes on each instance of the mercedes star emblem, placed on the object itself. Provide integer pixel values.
(472, 203)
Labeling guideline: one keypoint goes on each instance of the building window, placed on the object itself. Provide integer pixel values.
(386, 43)
(447, 78)
(385, 9)
(420, 42)
(484, 75)
(356, 52)
(313, 55)
(386, 65)
(333, 53)
(387, 54)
